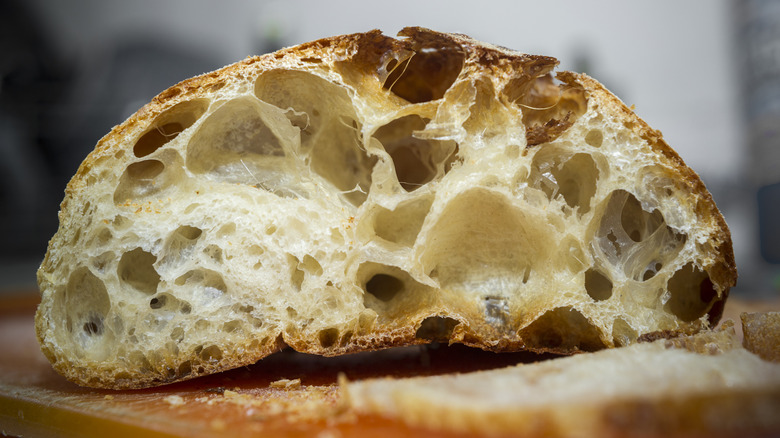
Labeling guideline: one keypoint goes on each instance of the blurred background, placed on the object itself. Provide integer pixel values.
(704, 72)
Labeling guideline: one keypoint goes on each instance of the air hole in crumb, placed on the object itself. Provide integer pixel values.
(594, 137)
(417, 160)
(328, 337)
(436, 328)
(169, 124)
(403, 224)
(637, 222)
(297, 275)
(211, 354)
(179, 247)
(157, 137)
(563, 329)
(136, 269)
(177, 334)
(213, 251)
(384, 287)
(549, 107)
(707, 290)
(149, 179)
(496, 311)
(232, 326)
(622, 333)
(345, 338)
(651, 271)
(226, 230)
(331, 140)
(185, 369)
(427, 74)
(391, 65)
(310, 265)
(145, 170)
(157, 302)
(598, 286)
(94, 326)
(691, 293)
(188, 232)
(634, 239)
(573, 178)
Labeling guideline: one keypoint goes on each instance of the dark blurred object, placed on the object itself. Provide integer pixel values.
(34, 81)
(760, 41)
(769, 221)
(53, 110)
(758, 27)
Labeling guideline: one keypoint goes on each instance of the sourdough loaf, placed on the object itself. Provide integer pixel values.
(362, 192)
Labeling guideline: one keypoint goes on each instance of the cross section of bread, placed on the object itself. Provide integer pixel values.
(362, 192)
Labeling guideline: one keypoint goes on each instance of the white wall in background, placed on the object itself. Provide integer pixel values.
(673, 60)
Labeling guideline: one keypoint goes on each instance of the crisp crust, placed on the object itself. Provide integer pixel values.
(352, 62)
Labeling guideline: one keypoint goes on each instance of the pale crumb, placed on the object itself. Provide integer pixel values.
(109, 397)
(286, 384)
(174, 400)
(229, 393)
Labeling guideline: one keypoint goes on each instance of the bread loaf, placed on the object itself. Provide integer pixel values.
(362, 192)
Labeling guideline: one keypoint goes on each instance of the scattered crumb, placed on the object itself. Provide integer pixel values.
(286, 384)
(109, 397)
(285, 400)
(174, 400)
(762, 334)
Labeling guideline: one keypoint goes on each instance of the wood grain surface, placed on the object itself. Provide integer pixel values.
(287, 395)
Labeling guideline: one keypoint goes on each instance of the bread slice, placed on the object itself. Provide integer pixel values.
(761, 331)
(362, 192)
(701, 385)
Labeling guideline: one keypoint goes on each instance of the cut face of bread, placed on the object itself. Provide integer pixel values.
(362, 192)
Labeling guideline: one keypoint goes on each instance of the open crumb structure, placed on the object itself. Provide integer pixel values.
(361, 192)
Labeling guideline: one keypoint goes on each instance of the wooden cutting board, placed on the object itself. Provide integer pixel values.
(285, 395)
